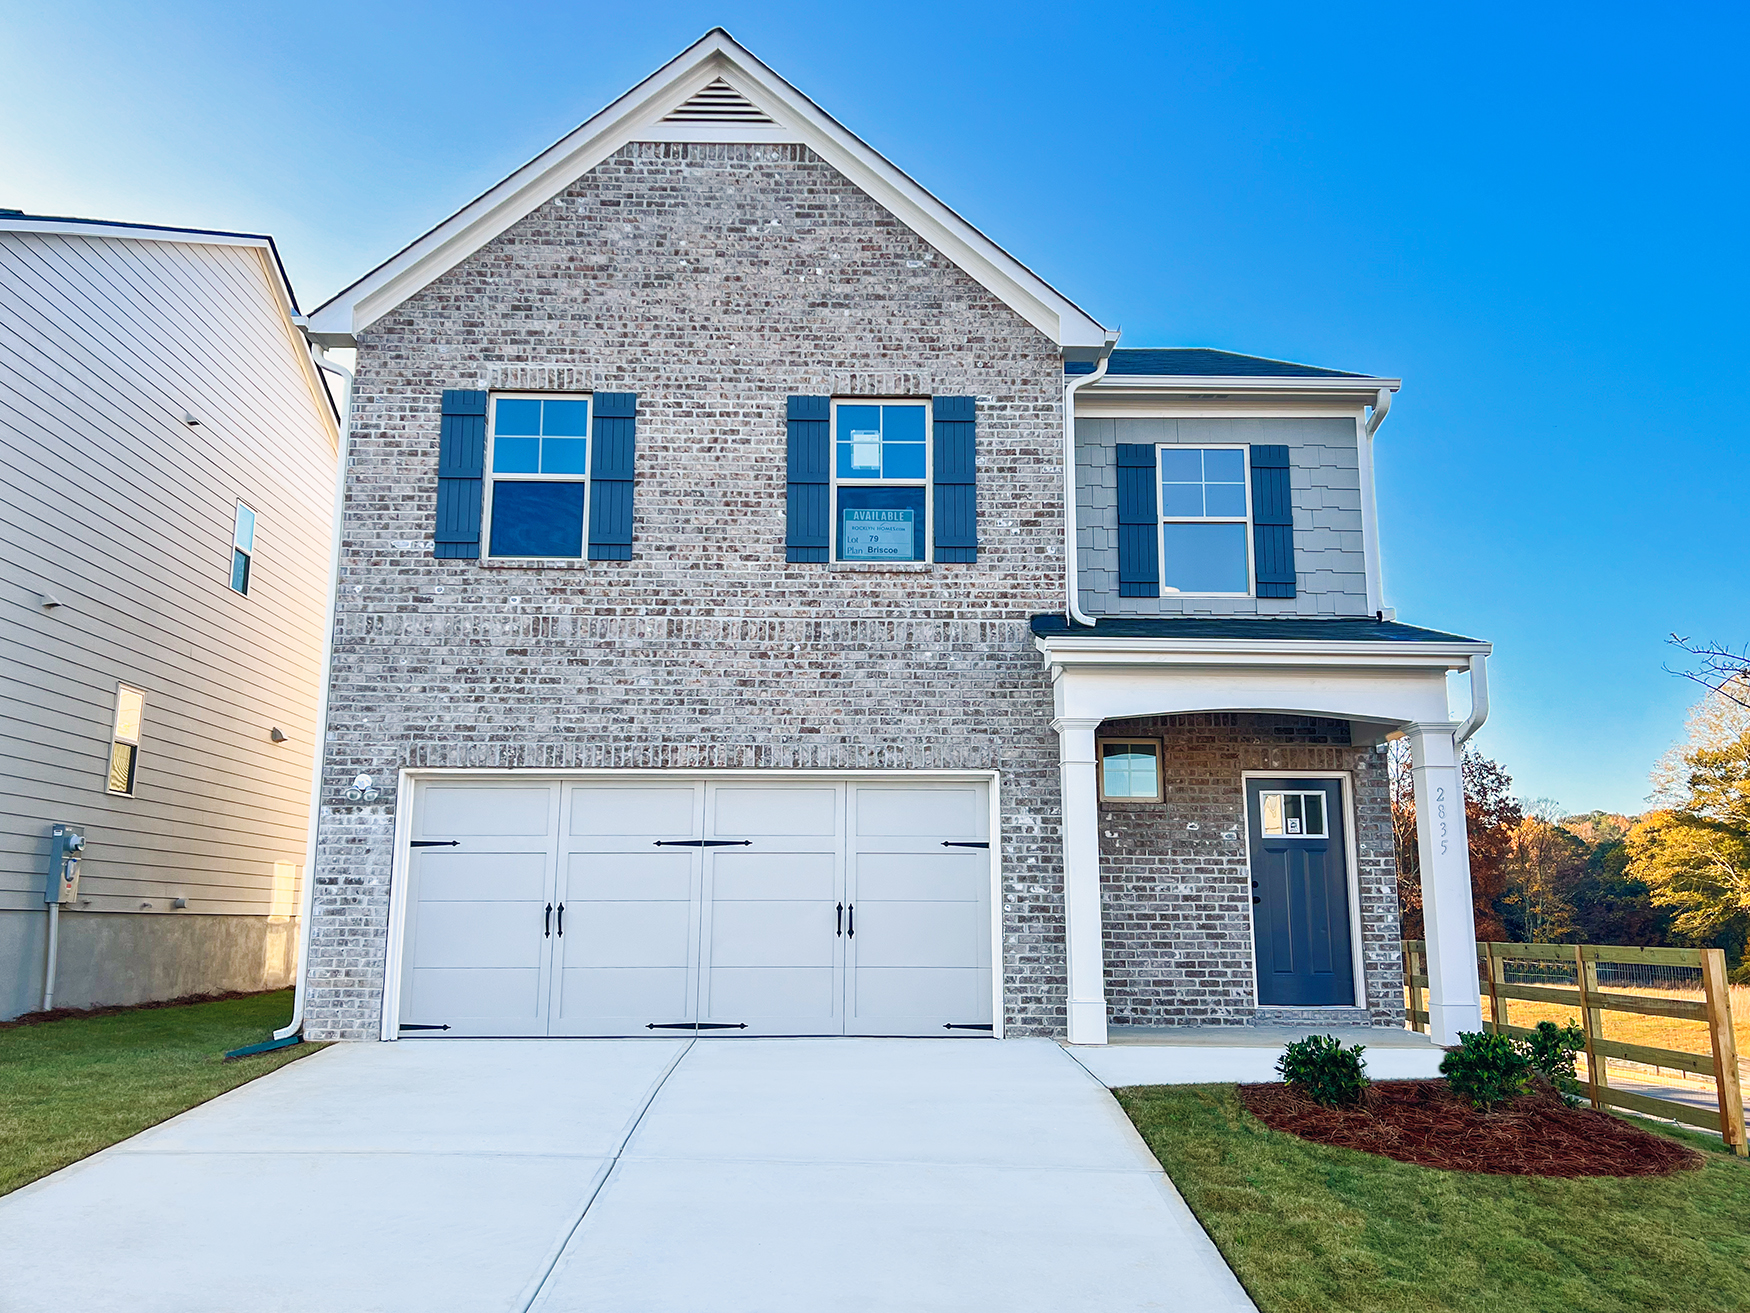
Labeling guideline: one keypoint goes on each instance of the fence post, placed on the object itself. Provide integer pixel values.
(1591, 1022)
(1725, 1045)
(1410, 990)
(1497, 976)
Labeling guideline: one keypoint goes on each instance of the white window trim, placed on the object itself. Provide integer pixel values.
(1160, 748)
(134, 743)
(490, 478)
(248, 552)
(927, 483)
(1351, 854)
(1162, 518)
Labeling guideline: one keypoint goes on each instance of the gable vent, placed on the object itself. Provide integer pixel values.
(718, 103)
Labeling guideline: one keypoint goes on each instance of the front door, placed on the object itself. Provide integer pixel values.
(1300, 892)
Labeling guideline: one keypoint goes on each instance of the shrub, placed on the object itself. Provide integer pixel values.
(1551, 1055)
(1487, 1069)
(1323, 1070)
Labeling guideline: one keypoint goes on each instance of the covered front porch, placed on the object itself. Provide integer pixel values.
(1256, 886)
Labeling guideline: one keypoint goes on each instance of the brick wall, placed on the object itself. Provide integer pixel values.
(713, 281)
(1176, 888)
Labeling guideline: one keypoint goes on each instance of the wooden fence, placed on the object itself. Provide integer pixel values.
(1591, 1002)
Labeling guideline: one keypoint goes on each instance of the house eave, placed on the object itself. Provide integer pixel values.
(1060, 652)
(1199, 386)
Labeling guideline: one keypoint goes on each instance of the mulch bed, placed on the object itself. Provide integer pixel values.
(1423, 1122)
(114, 1009)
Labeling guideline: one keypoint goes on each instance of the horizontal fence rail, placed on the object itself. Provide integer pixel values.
(1594, 979)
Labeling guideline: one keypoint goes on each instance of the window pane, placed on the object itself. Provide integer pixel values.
(1224, 466)
(1205, 558)
(1271, 821)
(516, 455)
(564, 455)
(1292, 820)
(881, 524)
(121, 767)
(859, 442)
(1129, 770)
(1181, 499)
(1181, 465)
(244, 534)
(517, 417)
(240, 570)
(130, 707)
(902, 460)
(1224, 499)
(902, 423)
(565, 419)
(1314, 806)
(537, 519)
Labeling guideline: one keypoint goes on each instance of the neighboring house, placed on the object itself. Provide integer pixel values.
(170, 457)
(711, 641)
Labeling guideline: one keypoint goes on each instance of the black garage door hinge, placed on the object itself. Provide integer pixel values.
(696, 1025)
(704, 843)
(435, 843)
(961, 843)
(408, 1025)
(969, 1025)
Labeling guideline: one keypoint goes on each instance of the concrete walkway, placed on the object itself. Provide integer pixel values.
(710, 1176)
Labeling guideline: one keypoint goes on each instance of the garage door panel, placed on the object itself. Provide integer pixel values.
(634, 995)
(785, 876)
(459, 996)
(663, 812)
(950, 877)
(922, 813)
(766, 933)
(659, 876)
(774, 813)
(920, 934)
(764, 994)
(478, 934)
(463, 812)
(479, 877)
(928, 999)
(629, 934)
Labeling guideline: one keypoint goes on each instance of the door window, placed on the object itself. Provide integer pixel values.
(1293, 816)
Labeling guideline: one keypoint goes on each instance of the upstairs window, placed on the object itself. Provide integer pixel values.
(1205, 521)
(537, 490)
(881, 476)
(124, 739)
(242, 548)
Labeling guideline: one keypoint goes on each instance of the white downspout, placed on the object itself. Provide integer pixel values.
(306, 898)
(1479, 700)
(1071, 589)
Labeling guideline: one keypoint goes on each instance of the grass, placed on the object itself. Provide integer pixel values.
(1312, 1228)
(69, 1088)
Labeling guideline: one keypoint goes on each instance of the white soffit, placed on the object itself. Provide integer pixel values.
(714, 91)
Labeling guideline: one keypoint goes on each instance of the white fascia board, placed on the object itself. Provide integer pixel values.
(636, 116)
(1064, 652)
(1206, 383)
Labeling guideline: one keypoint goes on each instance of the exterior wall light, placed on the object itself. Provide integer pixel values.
(361, 790)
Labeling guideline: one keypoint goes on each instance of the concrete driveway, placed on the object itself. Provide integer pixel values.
(710, 1176)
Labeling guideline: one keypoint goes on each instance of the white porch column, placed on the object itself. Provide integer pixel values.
(1083, 947)
(1454, 1000)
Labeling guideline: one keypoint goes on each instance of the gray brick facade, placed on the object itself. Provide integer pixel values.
(714, 281)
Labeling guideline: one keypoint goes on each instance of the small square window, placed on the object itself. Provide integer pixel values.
(539, 486)
(1130, 770)
(242, 548)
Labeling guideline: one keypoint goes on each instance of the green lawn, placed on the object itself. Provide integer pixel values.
(69, 1088)
(1313, 1228)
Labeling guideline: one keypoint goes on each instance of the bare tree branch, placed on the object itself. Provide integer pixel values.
(1722, 670)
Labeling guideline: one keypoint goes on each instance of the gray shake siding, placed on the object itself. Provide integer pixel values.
(713, 281)
(1324, 473)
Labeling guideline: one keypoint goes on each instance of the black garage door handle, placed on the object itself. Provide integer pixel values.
(958, 843)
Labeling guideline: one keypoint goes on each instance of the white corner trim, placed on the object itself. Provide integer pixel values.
(636, 116)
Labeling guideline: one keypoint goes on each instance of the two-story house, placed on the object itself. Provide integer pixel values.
(170, 454)
(768, 608)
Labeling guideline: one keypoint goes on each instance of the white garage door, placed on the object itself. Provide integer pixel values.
(694, 906)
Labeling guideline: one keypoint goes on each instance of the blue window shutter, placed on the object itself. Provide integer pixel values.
(1139, 522)
(613, 441)
(808, 501)
(1272, 522)
(954, 475)
(461, 467)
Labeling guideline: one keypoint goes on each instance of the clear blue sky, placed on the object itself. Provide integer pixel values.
(1534, 215)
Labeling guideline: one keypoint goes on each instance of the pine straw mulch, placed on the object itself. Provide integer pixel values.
(1423, 1122)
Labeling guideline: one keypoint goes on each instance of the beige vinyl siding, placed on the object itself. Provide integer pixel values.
(111, 503)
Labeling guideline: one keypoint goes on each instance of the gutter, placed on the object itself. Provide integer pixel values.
(1479, 698)
(306, 899)
(1071, 603)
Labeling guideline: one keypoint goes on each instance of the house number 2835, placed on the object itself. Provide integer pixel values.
(1440, 815)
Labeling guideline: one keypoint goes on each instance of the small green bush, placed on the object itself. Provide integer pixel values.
(1487, 1069)
(1323, 1070)
(1551, 1055)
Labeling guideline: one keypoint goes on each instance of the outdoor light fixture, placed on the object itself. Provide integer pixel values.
(361, 790)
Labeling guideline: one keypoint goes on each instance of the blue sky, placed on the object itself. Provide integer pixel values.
(1535, 216)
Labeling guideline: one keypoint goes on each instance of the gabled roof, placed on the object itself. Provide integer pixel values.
(1203, 362)
(714, 91)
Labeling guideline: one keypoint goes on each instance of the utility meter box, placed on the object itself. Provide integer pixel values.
(66, 845)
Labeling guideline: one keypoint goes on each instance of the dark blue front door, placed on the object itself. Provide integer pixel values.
(1300, 892)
